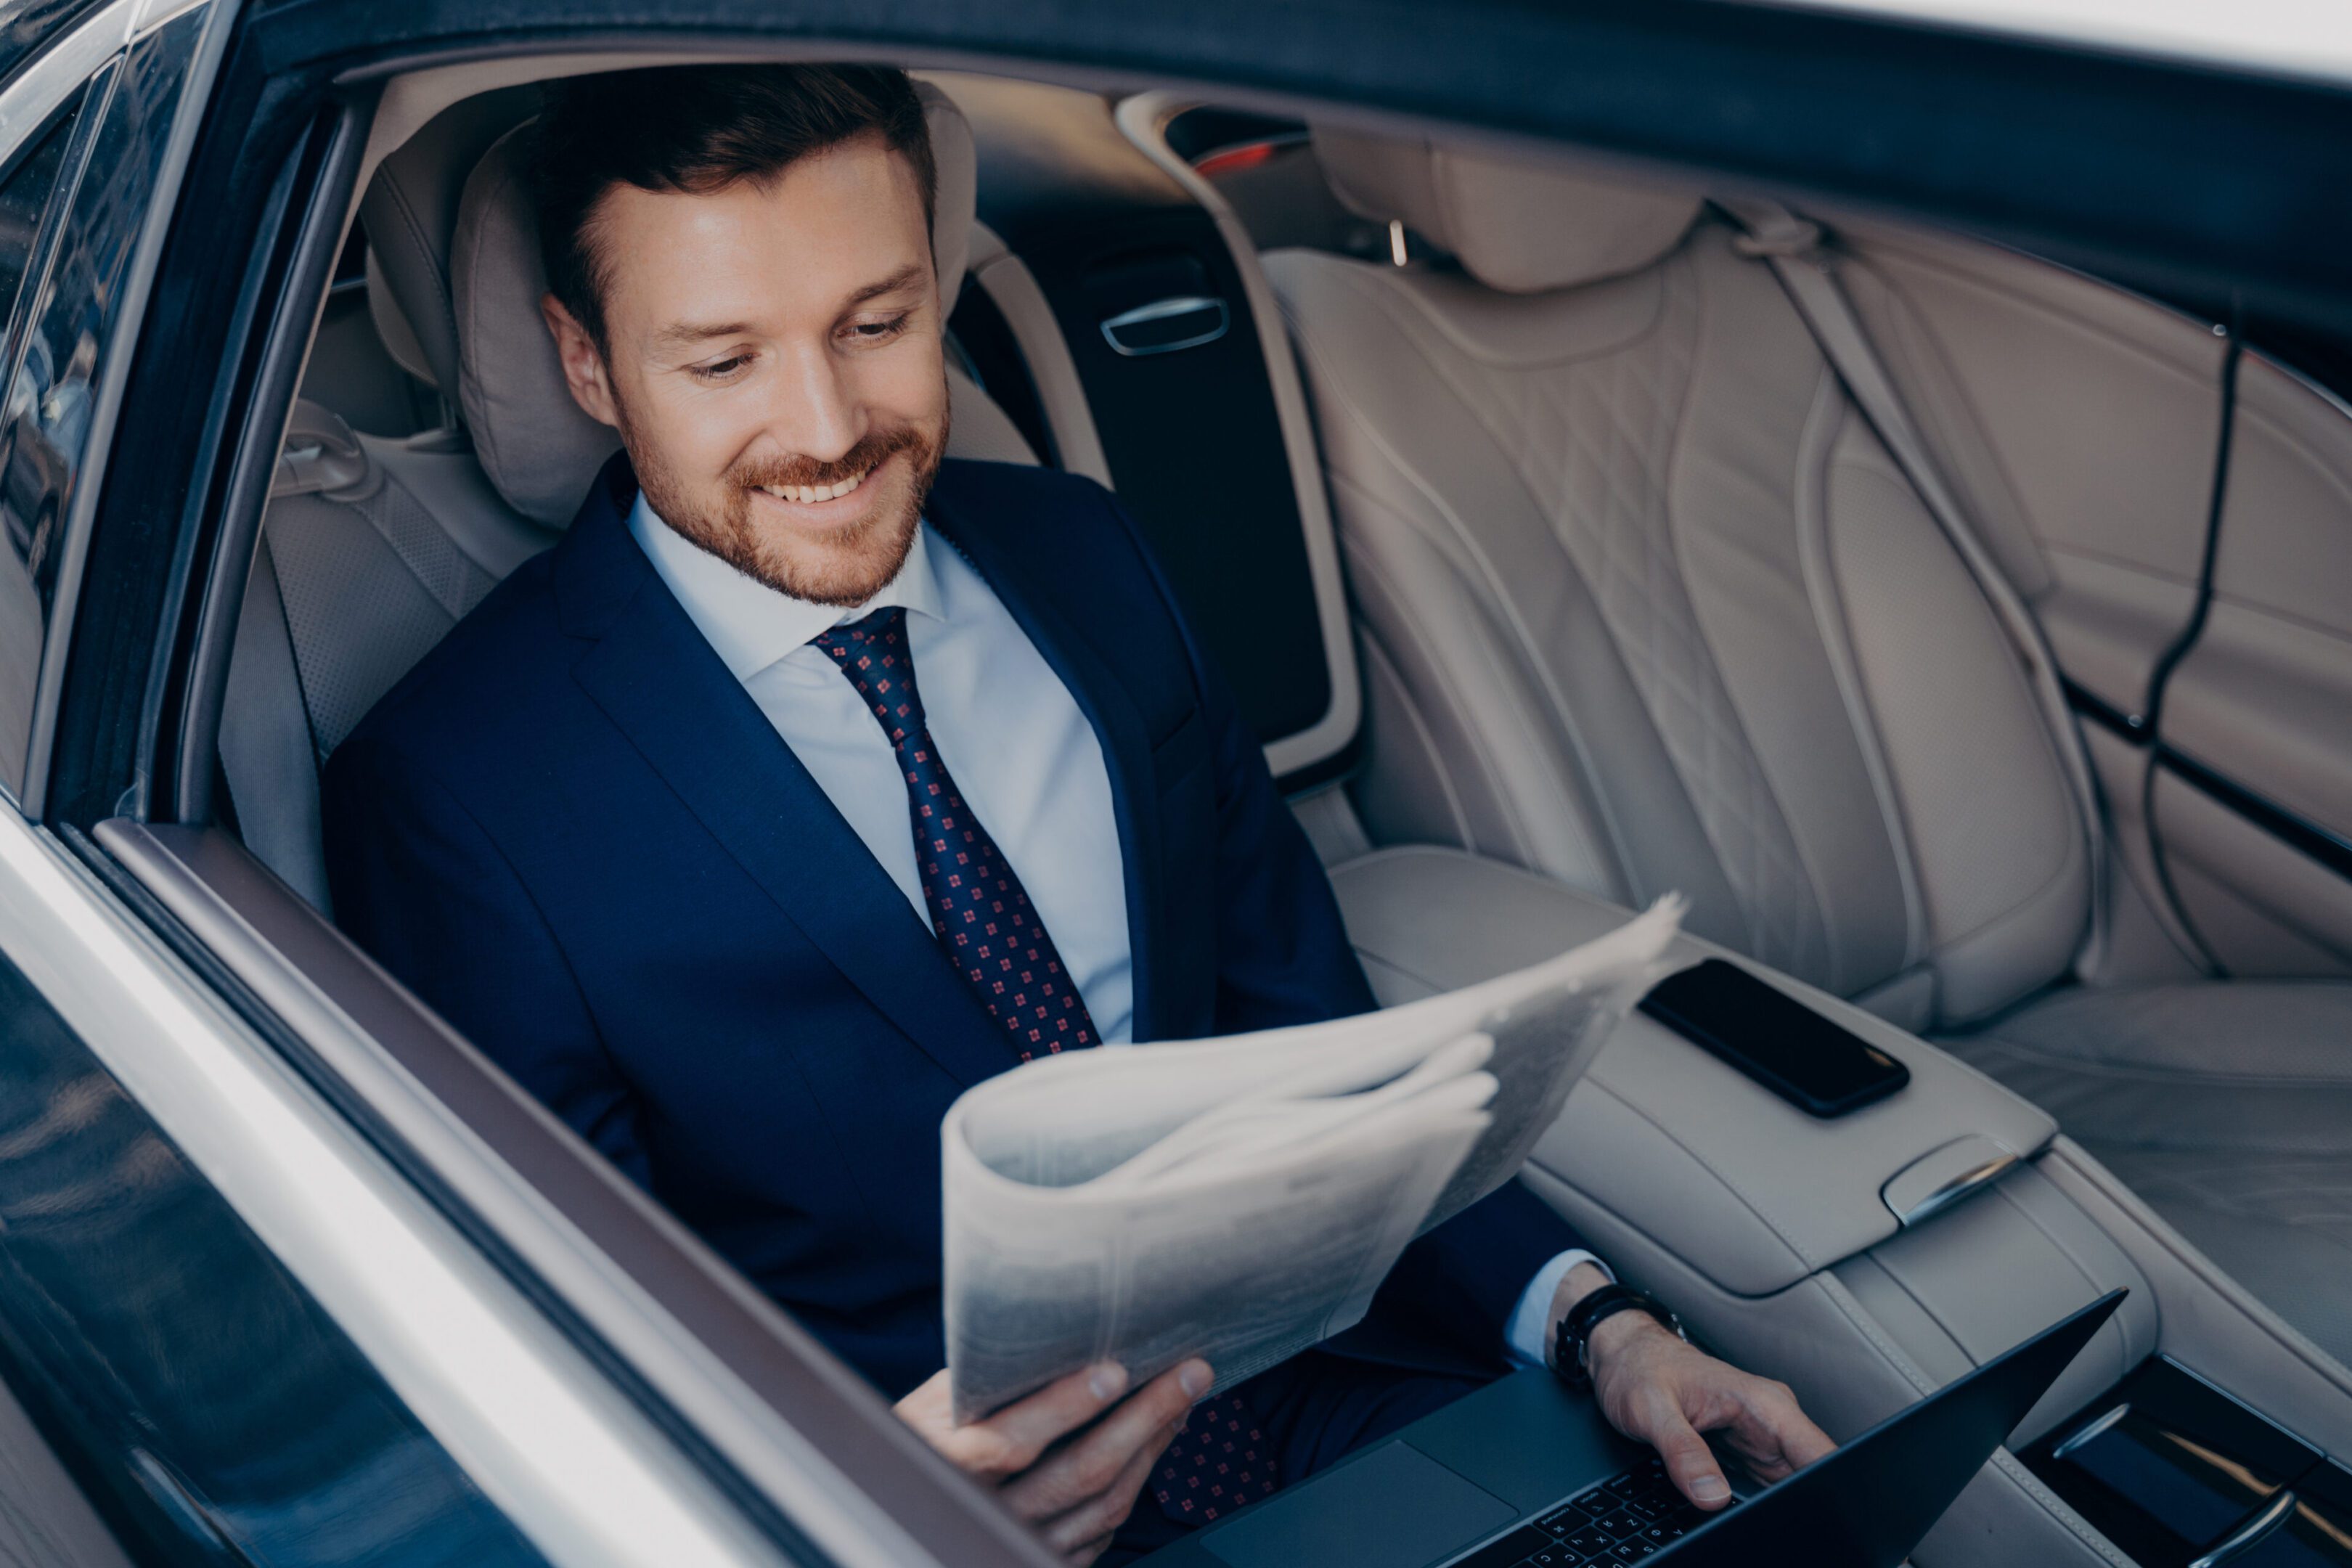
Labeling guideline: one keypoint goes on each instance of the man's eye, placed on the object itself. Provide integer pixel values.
(877, 331)
(720, 370)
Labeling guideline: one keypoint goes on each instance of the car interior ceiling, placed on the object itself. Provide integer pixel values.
(1590, 583)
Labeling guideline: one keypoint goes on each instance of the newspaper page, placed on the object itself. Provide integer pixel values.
(1242, 1198)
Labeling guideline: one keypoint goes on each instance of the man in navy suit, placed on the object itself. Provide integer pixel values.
(813, 779)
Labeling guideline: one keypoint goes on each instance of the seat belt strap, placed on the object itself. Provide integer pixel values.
(1791, 247)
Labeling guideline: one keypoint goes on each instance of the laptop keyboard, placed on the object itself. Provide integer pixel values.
(1624, 1519)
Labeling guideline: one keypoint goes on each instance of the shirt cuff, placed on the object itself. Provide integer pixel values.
(1527, 1335)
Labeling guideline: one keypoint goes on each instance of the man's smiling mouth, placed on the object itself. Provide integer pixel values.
(810, 495)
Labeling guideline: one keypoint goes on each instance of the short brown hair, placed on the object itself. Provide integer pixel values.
(698, 129)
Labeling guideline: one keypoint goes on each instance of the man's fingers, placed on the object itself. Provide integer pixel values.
(1010, 1441)
(928, 1409)
(1688, 1460)
(1773, 1433)
(1093, 1461)
(1100, 1515)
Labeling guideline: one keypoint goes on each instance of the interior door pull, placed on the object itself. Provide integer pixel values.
(1164, 326)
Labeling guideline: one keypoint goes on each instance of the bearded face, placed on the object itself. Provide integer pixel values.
(830, 531)
(772, 356)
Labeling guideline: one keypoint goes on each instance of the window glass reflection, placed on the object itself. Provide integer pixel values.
(25, 194)
(65, 343)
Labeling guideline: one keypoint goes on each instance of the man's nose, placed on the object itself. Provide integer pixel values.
(815, 412)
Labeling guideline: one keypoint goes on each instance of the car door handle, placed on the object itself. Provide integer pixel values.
(1164, 326)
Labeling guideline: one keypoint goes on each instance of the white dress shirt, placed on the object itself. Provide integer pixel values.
(1020, 747)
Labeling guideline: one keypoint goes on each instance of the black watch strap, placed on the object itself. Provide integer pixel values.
(1572, 1341)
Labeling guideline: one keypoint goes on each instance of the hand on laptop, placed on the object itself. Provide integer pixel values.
(1658, 1390)
(1070, 1458)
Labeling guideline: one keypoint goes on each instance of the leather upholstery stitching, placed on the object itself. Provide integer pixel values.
(2024, 903)
(398, 196)
(1740, 801)
(1562, 713)
(1808, 506)
(1670, 526)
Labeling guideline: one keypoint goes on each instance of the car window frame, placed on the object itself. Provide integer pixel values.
(78, 61)
(106, 34)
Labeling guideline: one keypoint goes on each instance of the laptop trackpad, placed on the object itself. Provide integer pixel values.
(1394, 1508)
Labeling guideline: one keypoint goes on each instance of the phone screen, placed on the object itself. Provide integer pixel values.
(1795, 1052)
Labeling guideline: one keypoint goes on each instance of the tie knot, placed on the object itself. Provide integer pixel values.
(872, 652)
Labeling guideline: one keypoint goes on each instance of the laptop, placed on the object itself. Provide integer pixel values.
(1525, 1473)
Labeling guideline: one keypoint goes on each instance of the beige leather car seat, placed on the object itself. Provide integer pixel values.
(373, 548)
(1645, 604)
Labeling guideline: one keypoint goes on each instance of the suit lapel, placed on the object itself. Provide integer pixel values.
(1117, 724)
(657, 679)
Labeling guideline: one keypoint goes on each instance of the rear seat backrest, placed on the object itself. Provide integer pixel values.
(1646, 606)
(373, 548)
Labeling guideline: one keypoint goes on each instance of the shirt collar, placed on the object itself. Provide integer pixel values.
(751, 626)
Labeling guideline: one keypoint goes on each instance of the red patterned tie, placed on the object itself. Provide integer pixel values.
(983, 916)
(1218, 1462)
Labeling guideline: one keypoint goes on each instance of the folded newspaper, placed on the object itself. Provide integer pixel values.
(1240, 1198)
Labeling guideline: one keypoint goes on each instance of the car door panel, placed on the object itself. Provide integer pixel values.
(199, 1395)
(2255, 728)
(2081, 424)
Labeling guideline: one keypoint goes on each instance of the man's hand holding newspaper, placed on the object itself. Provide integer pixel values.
(1241, 1199)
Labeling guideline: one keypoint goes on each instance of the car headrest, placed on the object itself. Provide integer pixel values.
(534, 443)
(410, 211)
(1520, 226)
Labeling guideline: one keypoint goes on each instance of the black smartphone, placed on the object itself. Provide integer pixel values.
(1803, 1058)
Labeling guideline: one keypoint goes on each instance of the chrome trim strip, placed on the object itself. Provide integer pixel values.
(2091, 1431)
(1958, 1189)
(549, 1441)
(1160, 310)
(57, 71)
(2252, 1533)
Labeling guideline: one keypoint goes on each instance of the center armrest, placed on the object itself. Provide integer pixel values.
(1743, 1186)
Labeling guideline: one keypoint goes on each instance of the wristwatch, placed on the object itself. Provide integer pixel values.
(1573, 1340)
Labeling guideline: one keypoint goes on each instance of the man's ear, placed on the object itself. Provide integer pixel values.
(584, 363)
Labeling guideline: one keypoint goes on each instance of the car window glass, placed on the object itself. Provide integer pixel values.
(24, 195)
(60, 345)
(206, 1403)
(27, 24)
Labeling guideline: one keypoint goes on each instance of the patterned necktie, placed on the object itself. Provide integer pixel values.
(978, 909)
(983, 918)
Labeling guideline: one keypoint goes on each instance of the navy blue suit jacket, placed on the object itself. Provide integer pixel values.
(571, 831)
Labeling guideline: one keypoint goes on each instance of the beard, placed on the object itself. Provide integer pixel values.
(847, 568)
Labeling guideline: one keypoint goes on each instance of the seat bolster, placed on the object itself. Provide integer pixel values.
(1997, 843)
(977, 428)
